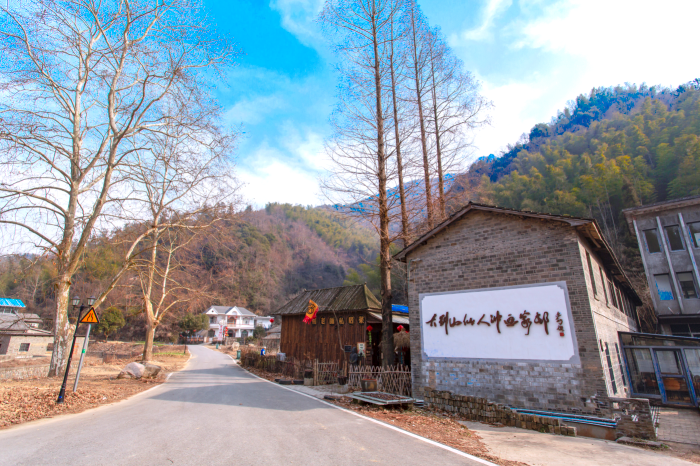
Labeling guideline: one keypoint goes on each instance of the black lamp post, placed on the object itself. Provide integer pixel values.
(75, 302)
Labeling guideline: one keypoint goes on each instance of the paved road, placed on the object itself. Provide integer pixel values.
(215, 413)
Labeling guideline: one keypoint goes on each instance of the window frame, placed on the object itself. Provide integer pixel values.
(670, 278)
(692, 280)
(603, 278)
(26, 348)
(668, 238)
(659, 242)
(590, 272)
(695, 244)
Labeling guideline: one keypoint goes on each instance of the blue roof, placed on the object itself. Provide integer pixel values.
(399, 308)
(11, 302)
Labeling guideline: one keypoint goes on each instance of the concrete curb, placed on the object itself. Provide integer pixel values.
(397, 429)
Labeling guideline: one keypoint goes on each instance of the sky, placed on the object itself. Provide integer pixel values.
(531, 57)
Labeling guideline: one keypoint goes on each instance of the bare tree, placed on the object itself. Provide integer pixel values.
(361, 30)
(457, 108)
(418, 54)
(84, 82)
(182, 182)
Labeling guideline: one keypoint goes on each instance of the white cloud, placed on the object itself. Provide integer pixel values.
(298, 17)
(491, 11)
(620, 41)
(290, 174)
(254, 110)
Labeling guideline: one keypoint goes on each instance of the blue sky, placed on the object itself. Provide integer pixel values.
(531, 57)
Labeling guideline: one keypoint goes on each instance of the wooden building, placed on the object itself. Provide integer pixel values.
(344, 314)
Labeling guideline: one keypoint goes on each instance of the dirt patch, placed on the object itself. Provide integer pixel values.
(681, 451)
(28, 400)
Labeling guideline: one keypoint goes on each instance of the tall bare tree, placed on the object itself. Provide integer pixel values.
(418, 54)
(83, 83)
(361, 31)
(457, 108)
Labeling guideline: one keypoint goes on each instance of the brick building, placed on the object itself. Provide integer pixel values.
(520, 308)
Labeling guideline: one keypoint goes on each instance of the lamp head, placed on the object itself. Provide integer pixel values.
(75, 301)
(91, 300)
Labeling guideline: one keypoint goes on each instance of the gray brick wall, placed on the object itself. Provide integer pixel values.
(488, 250)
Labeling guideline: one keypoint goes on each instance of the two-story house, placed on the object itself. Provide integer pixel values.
(236, 321)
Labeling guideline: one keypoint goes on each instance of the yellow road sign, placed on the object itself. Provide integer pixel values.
(90, 317)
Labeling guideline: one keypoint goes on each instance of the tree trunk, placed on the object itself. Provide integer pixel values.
(385, 263)
(441, 185)
(148, 345)
(61, 327)
(399, 161)
(424, 144)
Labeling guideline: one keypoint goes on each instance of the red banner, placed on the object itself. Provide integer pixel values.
(311, 312)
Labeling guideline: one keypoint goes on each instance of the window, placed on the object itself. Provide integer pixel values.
(23, 347)
(590, 271)
(687, 283)
(212, 320)
(49, 347)
(663, 287)
(675, 241)
(619, 299)
(685, 330)
(652, 239)
(694, 231)
(613, 297)
(602, 278)
(619, 364)
(610, 367)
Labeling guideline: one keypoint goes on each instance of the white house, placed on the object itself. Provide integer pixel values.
(263, 321)
(236, 321)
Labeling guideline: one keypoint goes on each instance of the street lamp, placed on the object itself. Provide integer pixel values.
(75, 302)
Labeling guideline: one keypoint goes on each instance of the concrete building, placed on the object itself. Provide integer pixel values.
(668, 234)
(520, 308)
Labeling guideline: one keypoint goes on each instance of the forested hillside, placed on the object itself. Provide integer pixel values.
(615, 148)
(255, 259)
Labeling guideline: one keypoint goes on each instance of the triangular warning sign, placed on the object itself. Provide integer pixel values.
(90, 317)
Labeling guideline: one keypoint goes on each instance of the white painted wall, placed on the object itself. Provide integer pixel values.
(483, 341)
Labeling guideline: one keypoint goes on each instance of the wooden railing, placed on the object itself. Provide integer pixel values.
(392, 379)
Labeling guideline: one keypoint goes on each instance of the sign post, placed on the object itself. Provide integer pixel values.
(91, 314)
(90, 318)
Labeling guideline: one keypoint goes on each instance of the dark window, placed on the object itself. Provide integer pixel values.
(652, 239)
(620, 306)
(590, 271)
(23, 347)
(694, 231)
(49, 347)
(663, 287)
(694, 330)
(613, 297)
(605, 291)
(680, 330)
(688, 290)
(675, 241)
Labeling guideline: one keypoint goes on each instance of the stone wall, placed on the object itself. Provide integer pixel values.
(478, 409)
(633, 415)
(38, 345)
(26, 372)
(488, 250)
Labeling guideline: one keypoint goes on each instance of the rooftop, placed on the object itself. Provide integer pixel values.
(660, 207)
(342, 298)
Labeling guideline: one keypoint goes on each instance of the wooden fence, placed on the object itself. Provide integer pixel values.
(393, 379)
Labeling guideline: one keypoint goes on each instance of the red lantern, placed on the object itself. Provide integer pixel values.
(399, 328)
(272, 320)
(369, 328)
